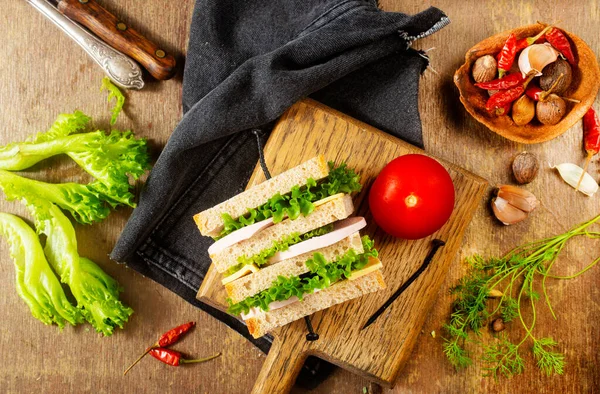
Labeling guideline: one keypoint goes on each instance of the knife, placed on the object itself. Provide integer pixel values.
(120, 68)
(119, 35)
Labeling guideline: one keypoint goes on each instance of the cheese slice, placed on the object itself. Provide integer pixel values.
(373, 265)
(245, 270)
(327, 199)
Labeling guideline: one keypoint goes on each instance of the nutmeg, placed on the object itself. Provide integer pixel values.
(551, 110)
(525, 167)
(484, 69)
(523, 110)
(498, 325)
(551, 73)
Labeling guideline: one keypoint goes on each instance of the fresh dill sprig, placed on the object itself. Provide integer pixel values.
(511, 279)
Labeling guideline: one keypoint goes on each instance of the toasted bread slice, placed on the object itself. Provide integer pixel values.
(263, 322)
(210, 221)
(332, 211)
(249, 285)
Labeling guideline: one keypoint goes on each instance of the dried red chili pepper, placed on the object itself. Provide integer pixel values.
(505, 97)
(534, 92)
(166, 339)
(507, 54)
(506, 82)
(559, 41)
(173, 335)
(537, 39)
(537, 94)
(173, 357)
(591, 138)
(525, 42)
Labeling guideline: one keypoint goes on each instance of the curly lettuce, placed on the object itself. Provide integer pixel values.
(83, 202)
(110, 158)
(321, 275)
(113, 92)
(280, 245)
(96, 293)
(300, 201)
(36, 283)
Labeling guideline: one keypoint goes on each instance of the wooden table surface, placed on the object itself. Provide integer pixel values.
(43, 73)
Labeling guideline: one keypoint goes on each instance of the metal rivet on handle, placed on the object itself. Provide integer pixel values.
(121, 26)
(160, 53)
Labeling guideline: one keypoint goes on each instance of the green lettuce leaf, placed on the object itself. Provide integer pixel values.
(322, 274)
(280, 245)
(298, 202)
(113, 92)
(97, 294)
(110, 158)
(82, 201)
(36, 283)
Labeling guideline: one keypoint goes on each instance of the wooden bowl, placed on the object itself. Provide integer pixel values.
(584, 87)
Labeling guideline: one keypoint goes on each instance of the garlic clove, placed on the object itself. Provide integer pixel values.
(518, 197)
(495, 293)
(506, 213)
(571, 173)
(535, 57)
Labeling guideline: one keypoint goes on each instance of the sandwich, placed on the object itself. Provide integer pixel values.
(288, 247)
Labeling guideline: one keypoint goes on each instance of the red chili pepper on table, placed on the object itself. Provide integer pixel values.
(506, 82)
(507, 55)
(166, 339)
(591, 138)
(173, 357)
(559, 41)
(173, 335)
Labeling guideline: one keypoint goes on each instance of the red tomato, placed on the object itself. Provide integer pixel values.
(412, 197)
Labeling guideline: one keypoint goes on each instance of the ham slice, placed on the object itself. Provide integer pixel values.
(342, 229)
(238, 236)
(273, 306)
(249, 231)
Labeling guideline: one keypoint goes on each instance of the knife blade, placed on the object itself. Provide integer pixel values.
(122, 70)
(119, 35)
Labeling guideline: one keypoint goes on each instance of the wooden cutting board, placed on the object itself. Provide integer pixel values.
(378, 352)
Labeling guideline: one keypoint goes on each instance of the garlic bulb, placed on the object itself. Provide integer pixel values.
(513, 204)
(571, 173)
(535, 57)
(518, 197)
(507, 213)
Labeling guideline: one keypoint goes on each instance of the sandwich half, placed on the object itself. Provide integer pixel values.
(306, 285)
(288, 247)
(291, 194)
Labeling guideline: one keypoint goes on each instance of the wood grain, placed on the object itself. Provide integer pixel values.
(120, 36)
(43, 73)
(377, 353)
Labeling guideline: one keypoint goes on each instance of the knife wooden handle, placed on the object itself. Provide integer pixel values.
(120, 36)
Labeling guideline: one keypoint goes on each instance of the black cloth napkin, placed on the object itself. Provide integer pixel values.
(247, 62)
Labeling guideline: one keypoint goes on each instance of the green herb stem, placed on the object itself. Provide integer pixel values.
(472, 301)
